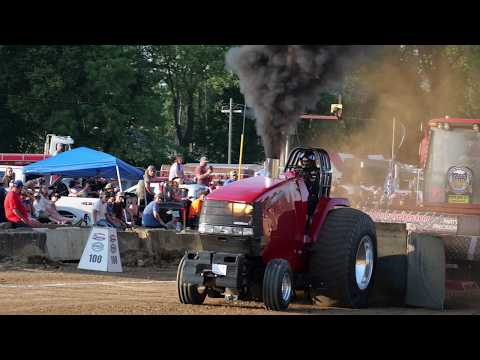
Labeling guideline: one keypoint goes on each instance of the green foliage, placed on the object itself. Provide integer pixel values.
(141, 103)
(145, 103)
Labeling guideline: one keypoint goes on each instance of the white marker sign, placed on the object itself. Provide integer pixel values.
(101, 252)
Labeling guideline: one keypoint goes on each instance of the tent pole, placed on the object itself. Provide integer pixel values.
(121, 190)
(118, 176)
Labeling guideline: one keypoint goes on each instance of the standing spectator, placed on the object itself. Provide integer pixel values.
(145, 192)
(151, 214)
(15, 212)
(8, 177)
(3, 194)
(176, 170)
(233, 178)
(59, 149)
(203, 171)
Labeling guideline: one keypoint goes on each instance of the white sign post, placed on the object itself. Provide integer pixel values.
(101, 252)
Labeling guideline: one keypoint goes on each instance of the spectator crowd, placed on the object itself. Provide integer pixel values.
(156, 203)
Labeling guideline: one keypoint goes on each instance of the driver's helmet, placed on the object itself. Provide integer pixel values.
(308, 159)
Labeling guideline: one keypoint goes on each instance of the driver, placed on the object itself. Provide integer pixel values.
(311, 175)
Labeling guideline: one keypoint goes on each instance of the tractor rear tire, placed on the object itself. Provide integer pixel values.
(187, 293)
(277, 285)
(343, 259)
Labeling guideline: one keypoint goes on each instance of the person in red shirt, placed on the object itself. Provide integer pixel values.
(15, 212)
(203, 171)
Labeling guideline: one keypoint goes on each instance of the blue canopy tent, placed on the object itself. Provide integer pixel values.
(85, 162)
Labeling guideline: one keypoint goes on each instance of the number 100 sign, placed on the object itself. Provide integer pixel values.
(101, 253)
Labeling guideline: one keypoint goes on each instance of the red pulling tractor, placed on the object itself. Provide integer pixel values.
(269, 236)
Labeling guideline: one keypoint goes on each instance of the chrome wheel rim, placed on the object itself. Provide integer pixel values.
(286, 287)
(364, 262)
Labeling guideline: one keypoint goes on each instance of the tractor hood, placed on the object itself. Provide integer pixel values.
(246, 190)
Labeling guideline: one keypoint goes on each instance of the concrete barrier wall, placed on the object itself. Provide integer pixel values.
(67, 243)
(22, 243)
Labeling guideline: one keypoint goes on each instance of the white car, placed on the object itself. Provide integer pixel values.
(77, 207)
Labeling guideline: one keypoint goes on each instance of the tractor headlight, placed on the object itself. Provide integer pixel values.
(460, 179)
(240, 209)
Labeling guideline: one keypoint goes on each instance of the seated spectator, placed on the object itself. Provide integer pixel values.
(15, 212)
(46, 210)
(109, 190)
(151, 215)
(100, 212)
(77, 190)
(3, 194)
(196, 208)
(174, 224)
(27, 202)
(233, 178)
(172, 191)
(132, 211)
(118, 211)
(211, 186)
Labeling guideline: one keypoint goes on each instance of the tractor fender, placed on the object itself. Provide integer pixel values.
(324, 206)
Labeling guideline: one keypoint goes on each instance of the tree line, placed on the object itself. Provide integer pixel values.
(143, 103)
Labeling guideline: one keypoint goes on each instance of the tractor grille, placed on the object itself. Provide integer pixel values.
(216, 212)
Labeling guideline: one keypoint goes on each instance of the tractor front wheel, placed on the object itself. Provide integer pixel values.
(187, 293)
(277, 285)
(343, 259)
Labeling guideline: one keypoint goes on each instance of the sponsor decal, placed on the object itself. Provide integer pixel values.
(113, 238)
(418, 222)
(97, 246)
(98, 236)
(113, 248)
(87, 203)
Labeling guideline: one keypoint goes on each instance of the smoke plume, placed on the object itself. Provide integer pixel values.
(280, 82)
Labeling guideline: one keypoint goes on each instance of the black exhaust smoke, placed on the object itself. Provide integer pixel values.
(280, 82)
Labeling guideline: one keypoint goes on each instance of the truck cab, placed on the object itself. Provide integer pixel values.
(450, 157)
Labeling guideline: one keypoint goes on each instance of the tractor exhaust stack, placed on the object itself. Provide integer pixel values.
(272, 170)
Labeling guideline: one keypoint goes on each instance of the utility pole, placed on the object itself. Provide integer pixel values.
(230, 112)
(230, 132)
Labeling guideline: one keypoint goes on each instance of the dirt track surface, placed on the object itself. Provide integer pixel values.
(62, 289)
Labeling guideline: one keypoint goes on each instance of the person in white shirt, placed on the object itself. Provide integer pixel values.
(45, 208)
(100, 212)
(176, 170)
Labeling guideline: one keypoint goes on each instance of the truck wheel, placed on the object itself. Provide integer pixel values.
(187, 293)
(343, 259)
(277, 285)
